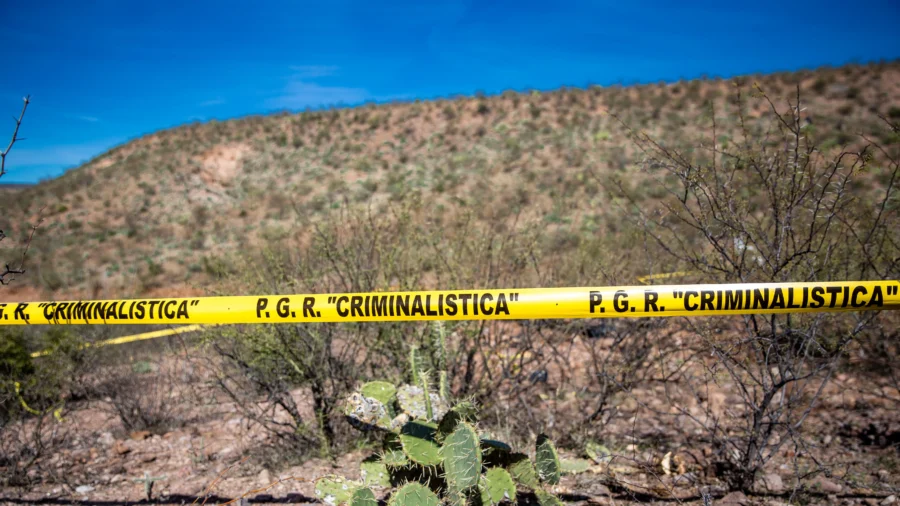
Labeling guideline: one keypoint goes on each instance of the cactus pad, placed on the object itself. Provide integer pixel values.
(366, 413)
(417, 439)
(334, 490)
(522, 471)
(444, 386)
(374, 472)
(574, 466)
(412, 401)
(495, 453)
(414, 494)
(497, 485)
(462, 412)
(363, 497)
(547, 461)
(393, 455)
(494, 445)
(598, 453)
(461, 454)
(547, 499)
(382, 391)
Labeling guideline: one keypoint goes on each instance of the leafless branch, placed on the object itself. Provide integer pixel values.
(10, 271)
(15, 136)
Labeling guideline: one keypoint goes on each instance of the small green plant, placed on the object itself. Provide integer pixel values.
(432, 450)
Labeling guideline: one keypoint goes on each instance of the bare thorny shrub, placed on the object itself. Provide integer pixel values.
(33, 401)
(767, 207)
(145, 395)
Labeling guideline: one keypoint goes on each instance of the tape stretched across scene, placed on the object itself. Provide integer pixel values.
(505, 304)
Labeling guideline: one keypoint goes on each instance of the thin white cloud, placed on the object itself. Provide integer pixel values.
(313, 71)
(212, 102)
(303, 91)
(300, 94)
(81, 117)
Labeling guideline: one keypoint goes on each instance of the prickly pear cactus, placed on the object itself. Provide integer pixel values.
(414, 494)
(598, 452)
(374, 472)
(462, 412)
(547, 461)
(574, 466)
(334, 490)
(496, 486)
(411, 399)
(431, 446)
(363, 497)
(522, 471)
(392, 451)
(380, 390)
(417, 440)
(547, 499)
(461, 456)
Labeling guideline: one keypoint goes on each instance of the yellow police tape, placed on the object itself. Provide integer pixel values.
(502, 304)
(664, 275)
(194, 328)
(130, 339)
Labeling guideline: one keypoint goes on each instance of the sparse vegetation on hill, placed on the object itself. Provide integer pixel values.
(159, 214)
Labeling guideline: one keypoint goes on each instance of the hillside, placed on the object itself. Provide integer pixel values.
(158, 215)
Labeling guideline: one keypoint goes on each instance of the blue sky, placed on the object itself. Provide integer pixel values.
(101, 73)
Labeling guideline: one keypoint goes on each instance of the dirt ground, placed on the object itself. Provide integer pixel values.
(211, 458)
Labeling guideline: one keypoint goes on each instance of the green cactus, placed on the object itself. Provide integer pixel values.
(392, 452)
(374, 472)
(417, 440)
(383, 391)
(335, 490)
(547, 499)
(456, 496)
(363, 497)
(414, 365)
(431, 447)
(367, 413)
(574, 466)
(411, 399)
(461, 455)
(414, 494)
(497, 485)
(425, 381)
(522, 471)
(462, 412)
(598, 453)
(495, 453)
(547, 461)
(443, 381)
(444, 386)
